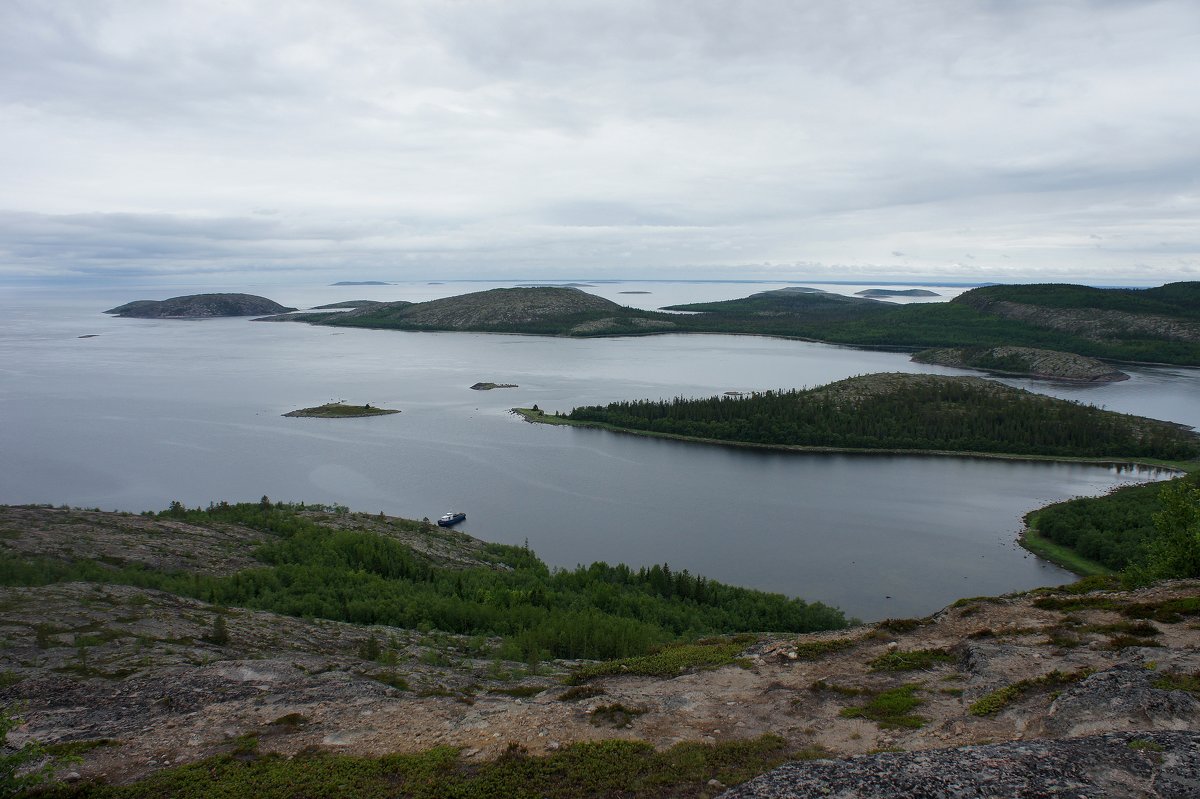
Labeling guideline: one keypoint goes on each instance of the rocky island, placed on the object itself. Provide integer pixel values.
(340, 410)
(199, 306)
(1024, 362)
(545, 310)
(878, 293)
(490, 386)
(117, 653)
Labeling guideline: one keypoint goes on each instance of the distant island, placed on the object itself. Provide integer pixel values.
(1155, 325)
(1158, 325)
(346, 304)
(897, 293)
(360, 283)
(546, 310)
(490, 386)
(199, 306)
(339, 410)
(898, 412)
(1024, 362)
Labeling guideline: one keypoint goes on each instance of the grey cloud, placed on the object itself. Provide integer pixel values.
(591, 134)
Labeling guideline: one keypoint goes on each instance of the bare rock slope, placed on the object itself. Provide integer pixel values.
(1026, 361)
(141, 680)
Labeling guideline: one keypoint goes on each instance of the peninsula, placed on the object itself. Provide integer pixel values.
(898, 412)
(339, 410)
(199, 306)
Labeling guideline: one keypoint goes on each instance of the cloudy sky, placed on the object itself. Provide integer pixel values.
(213, 141)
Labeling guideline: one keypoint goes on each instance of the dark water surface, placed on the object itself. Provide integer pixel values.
(149, 411)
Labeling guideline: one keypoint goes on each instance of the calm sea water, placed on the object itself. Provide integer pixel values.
(146, 411)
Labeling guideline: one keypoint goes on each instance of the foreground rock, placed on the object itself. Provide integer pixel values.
(1114, 766)
(1026, 362)
(142, 680)
(199, 306)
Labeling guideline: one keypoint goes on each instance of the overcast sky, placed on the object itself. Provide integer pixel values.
(213, 141)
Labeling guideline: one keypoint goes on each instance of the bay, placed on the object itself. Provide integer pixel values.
(149, 411)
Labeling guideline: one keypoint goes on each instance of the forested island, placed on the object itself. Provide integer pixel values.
(1156, 325)
(900, 412)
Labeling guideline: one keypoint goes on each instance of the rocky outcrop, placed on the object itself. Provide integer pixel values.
(140, 679)
(1123, 698)
(1093, 324)
(618, 325)
(200, 306)
(1025, 362)
(1165, 765)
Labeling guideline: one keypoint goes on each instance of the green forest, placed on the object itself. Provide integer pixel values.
(1124, 529)
(315, 571)
(904, 412)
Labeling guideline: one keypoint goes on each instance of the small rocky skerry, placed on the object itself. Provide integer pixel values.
(340, 410)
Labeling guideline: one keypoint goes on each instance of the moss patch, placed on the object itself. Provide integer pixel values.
(1003, 697)
(890, 709)
(583, 771)
(670, 661)
(912, 660)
